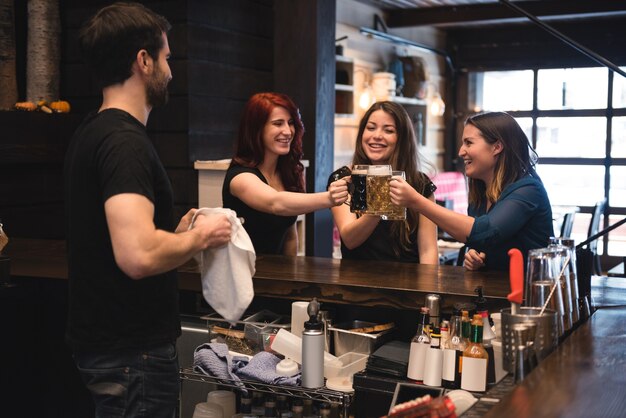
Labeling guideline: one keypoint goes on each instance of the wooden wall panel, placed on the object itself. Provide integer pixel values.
(526, 45)
(222, 52)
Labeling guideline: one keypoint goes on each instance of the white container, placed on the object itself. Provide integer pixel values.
(299, 316)
(351, 363)
(226, 399)
(384, 85)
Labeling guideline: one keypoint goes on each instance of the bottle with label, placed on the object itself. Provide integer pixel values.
(475, 358)
(270, 408)
(245, 403)
(282, 405)
(297, 409)
(488, 335)
(452, 353)
(419, 347)
(434, 360)
(258, 404)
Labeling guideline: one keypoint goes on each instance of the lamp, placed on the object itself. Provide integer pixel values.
(366, 97)
(437, 106)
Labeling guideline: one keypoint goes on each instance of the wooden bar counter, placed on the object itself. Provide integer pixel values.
(364, 283)
(584, 377)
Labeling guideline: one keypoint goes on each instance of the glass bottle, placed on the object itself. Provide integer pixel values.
(475, 358)
(445, 333)
(419, 345)
(258, 404)
(297, 409)
(270, 408)
(452, 354)
(245, 403)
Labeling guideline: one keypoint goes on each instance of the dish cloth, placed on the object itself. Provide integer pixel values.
(227, 271)
(213, 359)
(262, 367)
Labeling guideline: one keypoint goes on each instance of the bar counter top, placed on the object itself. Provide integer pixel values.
(366, 283)
(584, 377)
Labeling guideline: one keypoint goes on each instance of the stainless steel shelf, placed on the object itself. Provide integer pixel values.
(321, 394)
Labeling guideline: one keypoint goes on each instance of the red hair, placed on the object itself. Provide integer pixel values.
(250, 151)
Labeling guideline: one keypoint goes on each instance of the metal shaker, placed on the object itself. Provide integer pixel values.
(313, 348)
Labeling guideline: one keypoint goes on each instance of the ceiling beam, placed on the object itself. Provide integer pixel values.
(491, 12)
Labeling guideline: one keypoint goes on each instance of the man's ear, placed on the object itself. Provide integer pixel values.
(143, 60)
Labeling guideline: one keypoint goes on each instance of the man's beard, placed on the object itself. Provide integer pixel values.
(156, 89)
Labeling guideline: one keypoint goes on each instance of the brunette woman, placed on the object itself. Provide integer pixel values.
(508, 205)
(386, 136)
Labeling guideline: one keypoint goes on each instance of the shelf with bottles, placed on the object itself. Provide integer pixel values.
(344, 86)
(323, 394)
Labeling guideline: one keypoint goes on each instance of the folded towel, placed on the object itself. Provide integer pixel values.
(262, 367)
(214, 360)
(227, 271)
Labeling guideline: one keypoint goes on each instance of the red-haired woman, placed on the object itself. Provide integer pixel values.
(264, 183)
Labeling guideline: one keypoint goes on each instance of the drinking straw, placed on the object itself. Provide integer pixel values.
(554, 285)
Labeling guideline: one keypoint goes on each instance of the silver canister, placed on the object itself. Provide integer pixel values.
(432, 302)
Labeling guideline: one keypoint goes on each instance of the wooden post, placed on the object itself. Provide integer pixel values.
(304, 69)
(8, 81)
(43, 49)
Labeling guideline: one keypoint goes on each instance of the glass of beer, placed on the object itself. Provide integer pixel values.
(396, 213)
(378, 189)
(358, 200)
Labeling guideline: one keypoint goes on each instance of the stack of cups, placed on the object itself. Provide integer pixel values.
(224, 398)
(497, 346)
(208, 410)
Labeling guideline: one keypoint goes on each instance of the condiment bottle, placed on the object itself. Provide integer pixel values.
(488, 335)
(313, 348)
(474, 368)
(434, 360)
(452, 352)
(419, 345)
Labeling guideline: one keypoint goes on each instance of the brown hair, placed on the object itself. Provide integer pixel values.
(406, 157)
(111, 39)
(517, 159)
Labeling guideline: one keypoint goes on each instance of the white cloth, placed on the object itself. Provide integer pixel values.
(227, 271)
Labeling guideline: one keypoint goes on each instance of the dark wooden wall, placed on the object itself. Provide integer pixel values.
(222, 52)
(508, 47)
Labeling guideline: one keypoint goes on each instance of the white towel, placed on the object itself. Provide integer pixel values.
(227, 271)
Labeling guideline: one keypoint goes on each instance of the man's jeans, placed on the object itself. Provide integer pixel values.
(132, 383)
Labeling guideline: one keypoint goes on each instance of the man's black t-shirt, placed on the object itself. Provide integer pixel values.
(110, 153)
(267, 231)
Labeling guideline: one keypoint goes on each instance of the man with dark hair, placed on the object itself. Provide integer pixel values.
(123, 244)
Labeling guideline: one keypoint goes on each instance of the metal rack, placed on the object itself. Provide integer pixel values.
(321, 395)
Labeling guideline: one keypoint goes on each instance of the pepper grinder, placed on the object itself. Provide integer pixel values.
(313, 348)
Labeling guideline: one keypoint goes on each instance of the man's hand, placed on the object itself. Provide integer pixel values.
(214, 228)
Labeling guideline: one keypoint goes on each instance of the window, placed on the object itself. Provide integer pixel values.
(576, 119)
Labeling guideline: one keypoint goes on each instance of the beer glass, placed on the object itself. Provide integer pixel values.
(378, 189)
(358, 200)
(396, 213)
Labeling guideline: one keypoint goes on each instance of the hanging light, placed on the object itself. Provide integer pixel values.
(437, 106)
(366, 99)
